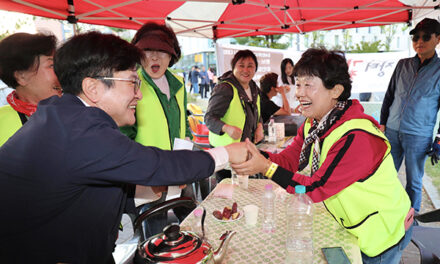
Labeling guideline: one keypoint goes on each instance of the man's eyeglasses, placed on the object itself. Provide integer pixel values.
(425, 37)
(135, 81)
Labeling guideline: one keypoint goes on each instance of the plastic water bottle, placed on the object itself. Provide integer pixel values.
(299, 242)
(268, 209)
(271, 131)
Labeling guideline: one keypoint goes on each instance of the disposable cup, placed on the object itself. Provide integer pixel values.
(234, 178)
(251, 214)
(243, 181)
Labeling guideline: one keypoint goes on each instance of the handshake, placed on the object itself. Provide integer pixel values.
(246, 159)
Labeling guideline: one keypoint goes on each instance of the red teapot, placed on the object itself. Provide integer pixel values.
(176, 246)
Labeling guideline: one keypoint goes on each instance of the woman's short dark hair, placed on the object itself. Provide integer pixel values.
(244, 54)
(283, 71)
(268, 81)
(152, 26)
(330, 66)
(93, 54)
(21, 51)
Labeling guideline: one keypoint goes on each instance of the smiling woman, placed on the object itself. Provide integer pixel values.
(26, 65)
(233, 112)
(349, 157)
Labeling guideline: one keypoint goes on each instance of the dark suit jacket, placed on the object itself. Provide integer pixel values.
(64, 182)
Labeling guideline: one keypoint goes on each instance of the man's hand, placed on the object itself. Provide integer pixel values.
(238, 152)
(233, 131)
(259, 133)
(256, 164)
(434, 153)
(382, 128)
(158, 190)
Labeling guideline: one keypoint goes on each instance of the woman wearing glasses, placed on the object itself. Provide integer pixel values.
(161, 114)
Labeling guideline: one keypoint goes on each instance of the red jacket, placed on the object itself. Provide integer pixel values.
(346, 162)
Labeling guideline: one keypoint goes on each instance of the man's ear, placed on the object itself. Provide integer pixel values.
(91, 89)
(337, 90)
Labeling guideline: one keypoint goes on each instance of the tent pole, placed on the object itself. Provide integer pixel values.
(71, 17)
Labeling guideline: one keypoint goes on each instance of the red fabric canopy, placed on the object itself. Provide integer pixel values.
(220, 18)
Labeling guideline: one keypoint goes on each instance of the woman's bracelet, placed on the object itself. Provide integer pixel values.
(271, 170)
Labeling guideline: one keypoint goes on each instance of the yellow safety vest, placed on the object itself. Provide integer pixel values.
(152, 124)
(373, 209)
(234, 116)
(10, 122)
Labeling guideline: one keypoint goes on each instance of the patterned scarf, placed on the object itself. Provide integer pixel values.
(317, 130)
(20, 106)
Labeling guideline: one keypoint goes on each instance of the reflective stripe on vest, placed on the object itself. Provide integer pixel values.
(372, 209)
(152, 123)
(10, 122)
(234, 116)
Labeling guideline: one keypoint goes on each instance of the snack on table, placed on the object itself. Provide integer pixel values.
(228, 213)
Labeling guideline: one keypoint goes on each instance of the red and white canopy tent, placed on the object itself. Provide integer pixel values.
(227, 18)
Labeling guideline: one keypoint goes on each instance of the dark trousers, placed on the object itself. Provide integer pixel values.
(204, 89)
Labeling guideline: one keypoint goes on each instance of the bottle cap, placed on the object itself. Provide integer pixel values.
(300, 189)
(268, 187)
(198, 212)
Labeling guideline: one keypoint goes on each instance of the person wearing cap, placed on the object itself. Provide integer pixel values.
(409, 109)
(161, 113)
(26, 65)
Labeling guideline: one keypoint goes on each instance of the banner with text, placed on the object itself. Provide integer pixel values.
(370, 72)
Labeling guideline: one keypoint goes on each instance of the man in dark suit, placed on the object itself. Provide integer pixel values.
(68, 174)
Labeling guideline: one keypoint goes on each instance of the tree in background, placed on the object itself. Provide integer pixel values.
(367, 47)
(317, 39)
(346, 40)
(13, 22)
(390, 31)
(272, 41)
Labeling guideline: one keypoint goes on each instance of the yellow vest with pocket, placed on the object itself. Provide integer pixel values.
(152, 124)
(234, 116)
(372, 209)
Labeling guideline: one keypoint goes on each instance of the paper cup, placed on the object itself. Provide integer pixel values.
(243, 181)
(251, 214)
